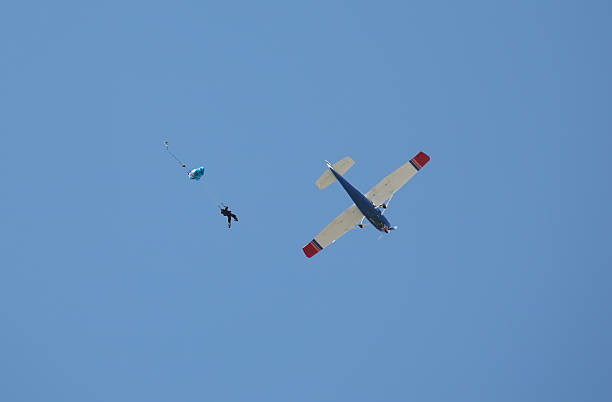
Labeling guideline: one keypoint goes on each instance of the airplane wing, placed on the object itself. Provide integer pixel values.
(338, 227)
(390, 184)
(379, 194)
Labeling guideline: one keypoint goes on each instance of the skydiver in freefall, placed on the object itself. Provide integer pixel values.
(228, 212)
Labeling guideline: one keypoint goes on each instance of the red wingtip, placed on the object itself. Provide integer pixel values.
(421, 159)
(311, 249)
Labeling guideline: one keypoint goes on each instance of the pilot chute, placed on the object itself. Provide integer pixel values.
(194, 174)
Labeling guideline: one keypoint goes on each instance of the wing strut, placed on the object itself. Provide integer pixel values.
(386, 204)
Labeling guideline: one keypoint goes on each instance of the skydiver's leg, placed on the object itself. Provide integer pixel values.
(235, 217)
(229, 221)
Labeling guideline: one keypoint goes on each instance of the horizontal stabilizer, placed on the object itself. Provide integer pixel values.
(340, 167)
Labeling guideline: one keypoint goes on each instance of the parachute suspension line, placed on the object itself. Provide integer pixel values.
(211, 193)
(183, 165)
(208, 189)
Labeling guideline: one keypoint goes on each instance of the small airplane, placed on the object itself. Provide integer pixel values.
(370, 206)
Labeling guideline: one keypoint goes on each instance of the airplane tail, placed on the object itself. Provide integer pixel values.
(340, 167)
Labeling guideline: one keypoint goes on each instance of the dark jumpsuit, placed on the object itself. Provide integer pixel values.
(228, 212)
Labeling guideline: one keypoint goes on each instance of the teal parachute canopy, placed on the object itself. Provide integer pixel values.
(196, 174)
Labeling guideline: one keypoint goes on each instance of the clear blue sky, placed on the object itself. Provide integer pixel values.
(120, 281)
